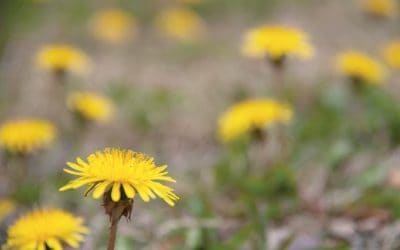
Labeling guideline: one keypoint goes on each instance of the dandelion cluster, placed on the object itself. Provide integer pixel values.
(252, 114)
(43, 229)
(284, 121)
(26, 136)
(124, 173)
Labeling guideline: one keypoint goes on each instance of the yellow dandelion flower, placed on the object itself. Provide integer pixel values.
(123, 173)
(43, 229)
(6, 207)
(249, 115)
(359, 66)
(180, 24)
(26, 136)
(391, 53)
(63, 58)
(113, 25)
(385, 8)
(276, 42)
(90, 106)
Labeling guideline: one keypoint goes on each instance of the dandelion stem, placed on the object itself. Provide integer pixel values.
(116, 210)
(113, 235)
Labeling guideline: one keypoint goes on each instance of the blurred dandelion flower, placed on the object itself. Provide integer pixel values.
(391, 53)
(123, 174)
(360, 67)
(43, 229)
(276, 42)
(26, 136)
(90, 106)
(6, 207)
(180, 24)
(384, 8)
(250, 115)
(62, 58)
(113, 25)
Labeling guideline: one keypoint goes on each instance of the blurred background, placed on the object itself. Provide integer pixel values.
(168, 82)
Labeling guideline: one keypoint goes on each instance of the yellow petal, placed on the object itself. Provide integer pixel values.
(54, 244)
(69, 171)
(115, 193)
(75, 166)
(41, 246)
(100, 189)
(129, 191)
(143, 194)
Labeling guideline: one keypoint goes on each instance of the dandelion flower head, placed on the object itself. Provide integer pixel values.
(122, 173)
(391, 53)
(26, 136)
(90, 106)
(357, 65)
(113, 25)
(43, 229)
(384, 8)
(180, 23)
(62, 58)
(276, 42)
(252, 114)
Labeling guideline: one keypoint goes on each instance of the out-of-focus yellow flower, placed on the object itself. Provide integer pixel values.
(43, 229)
(391, 53)
(359, 66)
(114, 171)
(90, 106)
(250, 115)
(180, 24)
(113, 25)
(63, 58)
(385, 8)
(276, 42)
(26, 136)
(6, 207)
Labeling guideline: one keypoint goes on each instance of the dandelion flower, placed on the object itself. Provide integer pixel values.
(180, 24)
(63, 58)
(6, 207)
(122, 173)
(359, 66)
(276, 42)
(26, 136)
(90, 106)
(250, 115)
(384, 8)
(391, 53)
(43, 229)
(113, 25)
